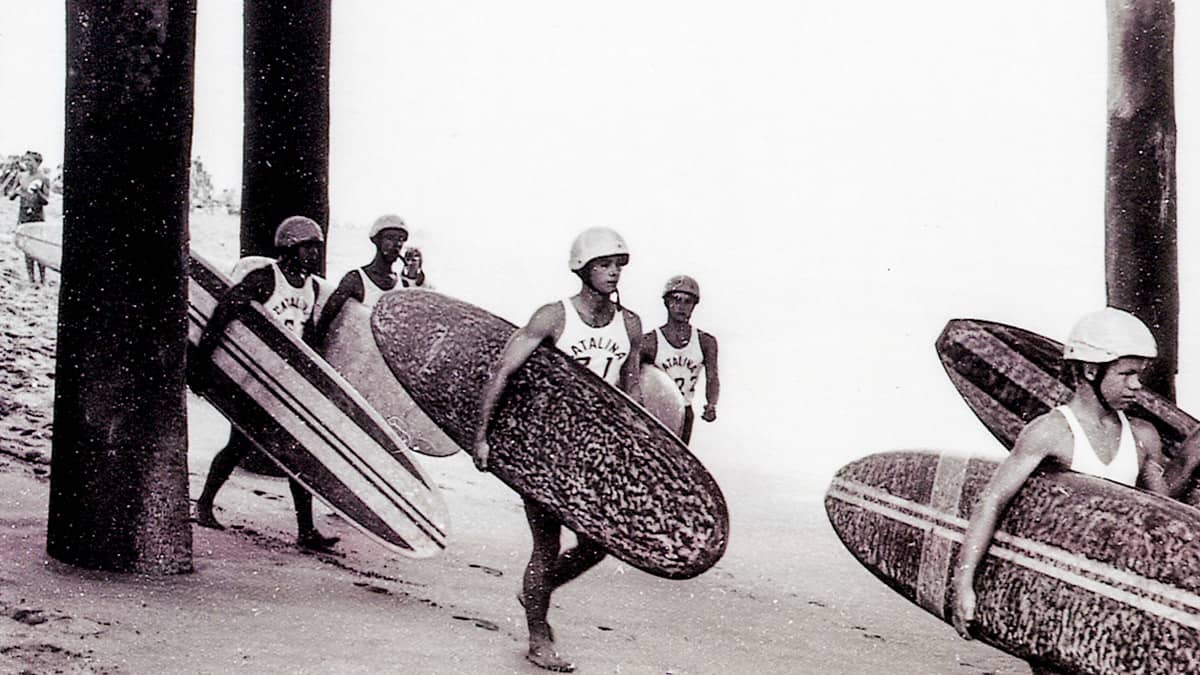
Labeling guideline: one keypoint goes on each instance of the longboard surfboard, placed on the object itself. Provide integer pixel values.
(1008, 376)
(42, 242)
(662, 398)
(1084, 575)
(560, 435)
(350, 348)
(312, 423)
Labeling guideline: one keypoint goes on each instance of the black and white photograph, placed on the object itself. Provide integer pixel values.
(638, 338)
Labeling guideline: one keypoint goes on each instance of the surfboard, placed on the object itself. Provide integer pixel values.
(560, 435)
(351, 349)
(1084, 575)
(662, 398)
(312, 423)
(1008, 376)
(42, 242)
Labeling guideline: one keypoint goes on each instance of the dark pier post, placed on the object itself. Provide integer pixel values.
(1141, 265)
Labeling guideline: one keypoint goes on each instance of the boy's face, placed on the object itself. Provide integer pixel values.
(308, 253)
(389, 242)
(1122, 380)
(680, 306)
(605, 273)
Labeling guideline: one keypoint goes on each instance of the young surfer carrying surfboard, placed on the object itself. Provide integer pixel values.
(1106, 353)
(599, 333)
(681, 349)
(34, 192)
(288, 291)
(367, 283)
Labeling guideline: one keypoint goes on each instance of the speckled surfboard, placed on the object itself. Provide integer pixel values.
(559, 435)
(1084, 575)
(303, 415)
(1008, 376)
(42, 242)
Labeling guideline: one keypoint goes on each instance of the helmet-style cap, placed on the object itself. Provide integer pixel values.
(387, 222)
(1107, 335)
(297, 230)
(595, 242)
(682, 283)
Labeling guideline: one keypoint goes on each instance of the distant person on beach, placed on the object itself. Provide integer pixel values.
(1105, 354)
(680, 349)
(600, 334)
(367, 283)
(289, 292)
(34, 192)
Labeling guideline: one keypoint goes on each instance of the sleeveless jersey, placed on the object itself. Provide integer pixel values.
(1124, 465)
(683, 363)
(601, 350)
(371, 291)
(289, 305)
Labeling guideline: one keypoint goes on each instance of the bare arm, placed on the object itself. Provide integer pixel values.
(712, 376)
(631, 370)
(545, 324)
(349, 287)
(1034, 444)
(257, 286)
(649, 350)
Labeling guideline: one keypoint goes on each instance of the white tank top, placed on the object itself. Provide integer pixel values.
(1124, 465)
(683, 363)
(289, 305)
(371, 291)
(601, 350)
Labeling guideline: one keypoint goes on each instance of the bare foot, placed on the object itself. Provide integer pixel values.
(205, 518)
(315, 541)
(544, 656)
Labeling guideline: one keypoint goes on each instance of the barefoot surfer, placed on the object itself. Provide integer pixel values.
(681, 349)
(600, 334)
(289, 292)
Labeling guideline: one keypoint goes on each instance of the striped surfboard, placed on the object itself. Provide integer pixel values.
(1083, 575)
(1007, 376)
(312, 423)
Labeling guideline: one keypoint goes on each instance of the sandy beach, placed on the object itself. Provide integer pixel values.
(786, 598)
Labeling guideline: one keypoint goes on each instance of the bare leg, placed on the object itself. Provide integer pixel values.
(223, 464)
(308, 536)
(29, 263)
(543, 559)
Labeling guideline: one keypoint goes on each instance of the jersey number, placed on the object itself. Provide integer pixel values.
(587, 360)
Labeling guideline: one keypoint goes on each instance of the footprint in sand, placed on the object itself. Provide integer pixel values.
(487, 570)
(373, 588)
(479, 623)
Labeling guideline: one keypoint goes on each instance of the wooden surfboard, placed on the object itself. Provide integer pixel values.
(1008, 376)
(350, 348)
(560, 435)
(1084, 575)
(310, 421)
(662, 398)
(42, 242)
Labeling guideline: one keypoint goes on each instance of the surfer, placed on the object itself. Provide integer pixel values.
(367, 283)
(287, 290)
(1105, 354)
(599, 333)
(680, 349)
(34, 192)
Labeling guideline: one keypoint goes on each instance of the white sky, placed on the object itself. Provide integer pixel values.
(842, 176)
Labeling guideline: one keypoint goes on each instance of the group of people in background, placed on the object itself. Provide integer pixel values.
(592, 326)
(30, 185)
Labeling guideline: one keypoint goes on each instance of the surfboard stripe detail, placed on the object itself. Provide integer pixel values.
(1154, 597)
(259, 324)
(933, 576)
(381, 493)
(275, 390)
